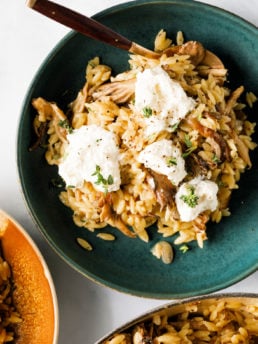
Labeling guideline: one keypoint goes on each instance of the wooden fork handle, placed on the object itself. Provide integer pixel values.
(80, 23)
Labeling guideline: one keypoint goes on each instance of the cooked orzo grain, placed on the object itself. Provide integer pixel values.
(206, 136)
(231, 321)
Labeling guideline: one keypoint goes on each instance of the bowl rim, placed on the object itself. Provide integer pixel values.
(57, 47)
(148, 314)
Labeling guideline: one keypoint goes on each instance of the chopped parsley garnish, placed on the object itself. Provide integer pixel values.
(184, 248)
(191, 199)
(189, 145)
(171, 161)
(215, 159)
(174, 127)
(101, 180)
(188, 141)
(65, 124)
(147, 111)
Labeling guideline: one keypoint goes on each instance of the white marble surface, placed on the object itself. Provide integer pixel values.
(87, 310)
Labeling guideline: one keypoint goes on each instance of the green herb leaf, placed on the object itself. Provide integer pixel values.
(147, 111)
(189, 145)
(184, 248)
(188, 141)
(188, 152)
(171, 161)
(174, 127)
(191, 199)
(65, 124)
(97, 171)
(101, 180)
(110, 180)
(215, 159)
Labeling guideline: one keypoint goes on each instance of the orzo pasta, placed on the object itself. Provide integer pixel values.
(163, 143)
(206, 321)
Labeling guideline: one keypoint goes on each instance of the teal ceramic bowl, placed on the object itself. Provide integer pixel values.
(230, 253)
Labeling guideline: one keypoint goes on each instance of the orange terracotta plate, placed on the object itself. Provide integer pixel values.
(34, 294)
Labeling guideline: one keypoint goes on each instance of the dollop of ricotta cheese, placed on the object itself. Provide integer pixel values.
(165, 158)
(91, 155)
(161, 100)
(196, 196)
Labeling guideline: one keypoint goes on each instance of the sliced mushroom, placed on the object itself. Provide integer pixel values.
(196, 165)
(162, 187)
(199, 56)
(47, 111)
(207, 132)
(194, 49)
(213, 65)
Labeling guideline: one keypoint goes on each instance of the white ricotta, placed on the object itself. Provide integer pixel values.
(204, 197)
(167, 100)
(165, 158)
(91, 148)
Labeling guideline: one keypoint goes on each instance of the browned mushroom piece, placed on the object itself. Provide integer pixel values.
(194, 49)
(163, 188)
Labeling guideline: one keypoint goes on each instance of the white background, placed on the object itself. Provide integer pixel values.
(87, 310)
